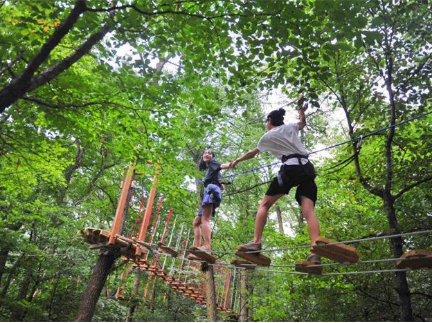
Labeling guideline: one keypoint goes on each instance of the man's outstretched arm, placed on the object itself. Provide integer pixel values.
(248, 155)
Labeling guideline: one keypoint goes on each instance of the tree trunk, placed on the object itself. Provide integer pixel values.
(134, 297)
(152, 295)
(210, 295)
(401, 283)
(279, 218)
(3, 258)
(97, 281)
(243, 315)
(19, 312)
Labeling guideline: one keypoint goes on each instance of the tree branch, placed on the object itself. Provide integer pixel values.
(409, 187)
(19, 86)
(10, 64)
(55, 70)
(65, 106)
(179, 12)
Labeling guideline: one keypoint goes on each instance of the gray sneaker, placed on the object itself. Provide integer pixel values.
(316, 259)
(251, 246)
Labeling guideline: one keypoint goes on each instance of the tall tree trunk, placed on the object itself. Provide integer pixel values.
(152, 295)
(134, 297)
(97, 281)
(51, 302)
(279, 218)
(3, 258)
(401, 283)
(243, 315)
(18, 313)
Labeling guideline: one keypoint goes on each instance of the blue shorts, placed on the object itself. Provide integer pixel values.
(212, 195)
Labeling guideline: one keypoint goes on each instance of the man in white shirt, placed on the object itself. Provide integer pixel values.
(283, 142)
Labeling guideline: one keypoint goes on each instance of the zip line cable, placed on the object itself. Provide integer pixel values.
(362, 262)
(340, 273)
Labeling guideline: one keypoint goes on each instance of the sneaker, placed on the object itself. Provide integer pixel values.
(251, 246)
(316, 259)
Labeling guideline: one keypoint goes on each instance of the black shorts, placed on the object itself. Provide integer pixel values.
(296, 175)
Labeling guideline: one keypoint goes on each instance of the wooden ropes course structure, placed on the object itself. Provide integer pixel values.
(139, 252)
(190, 277)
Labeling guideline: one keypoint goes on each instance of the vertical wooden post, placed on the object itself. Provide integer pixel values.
(226, 304)
(123, 277)
(166, 226)
(210, 295)
(138, 217)
(225, 289)
(156, 222)
(147, 213)
(243, 317)
(118, 220)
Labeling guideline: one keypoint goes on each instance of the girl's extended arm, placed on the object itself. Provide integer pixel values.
(225, 166)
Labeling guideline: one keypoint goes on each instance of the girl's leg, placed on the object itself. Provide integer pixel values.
(197, 231)
(311, 219)
(205, 225)
(261, 217)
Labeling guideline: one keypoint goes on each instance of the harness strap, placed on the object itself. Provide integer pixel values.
(281, 176)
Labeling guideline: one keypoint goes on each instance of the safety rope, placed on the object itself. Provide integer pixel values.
(359, 138)
(341, 273)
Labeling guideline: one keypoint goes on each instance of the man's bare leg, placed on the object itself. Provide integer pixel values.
(262, 213)
(309, 214)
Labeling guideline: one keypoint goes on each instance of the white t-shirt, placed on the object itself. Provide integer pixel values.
(283, 140)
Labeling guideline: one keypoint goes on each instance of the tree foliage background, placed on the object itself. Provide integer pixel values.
(88, 86)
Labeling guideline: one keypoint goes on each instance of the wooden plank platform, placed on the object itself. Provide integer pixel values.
(415, 259)
(337, 252)
(304, 267)
(99, 238)
(166, 249)
(203, 255)
(256, 258)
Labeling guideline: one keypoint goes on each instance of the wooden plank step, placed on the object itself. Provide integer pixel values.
(203, 255)
(303, 267)
(256, 258)
(337, 252)
(243, 263)
(415, 259)
(142, 243)
(166, 249)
